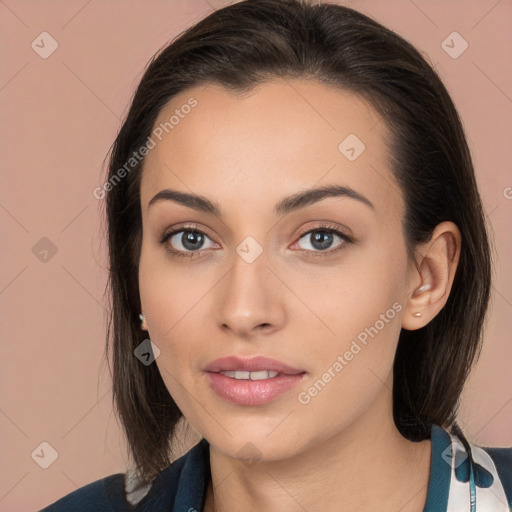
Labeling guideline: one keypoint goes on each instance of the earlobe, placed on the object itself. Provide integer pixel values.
(143, 324)
(439, 259)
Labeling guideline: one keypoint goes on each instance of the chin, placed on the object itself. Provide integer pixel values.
(254, 446)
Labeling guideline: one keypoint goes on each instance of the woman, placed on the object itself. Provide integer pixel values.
(293, 220)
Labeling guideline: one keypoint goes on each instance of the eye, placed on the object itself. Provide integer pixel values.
(321, 239)
(185, 241)
(188, 241)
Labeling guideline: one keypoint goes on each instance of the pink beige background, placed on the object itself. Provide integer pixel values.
(59, 116)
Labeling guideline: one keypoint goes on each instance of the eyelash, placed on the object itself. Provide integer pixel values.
(322, 228)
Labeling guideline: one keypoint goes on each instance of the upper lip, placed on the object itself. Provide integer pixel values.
(250, 364)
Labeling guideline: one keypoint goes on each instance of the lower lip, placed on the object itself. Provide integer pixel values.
(252, 392)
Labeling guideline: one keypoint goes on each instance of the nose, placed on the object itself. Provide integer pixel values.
(251, 301)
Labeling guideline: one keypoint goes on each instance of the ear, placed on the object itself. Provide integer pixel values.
(430, 287)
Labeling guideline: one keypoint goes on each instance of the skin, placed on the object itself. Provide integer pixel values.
(340, 451)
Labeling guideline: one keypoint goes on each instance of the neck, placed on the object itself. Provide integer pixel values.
(367, 466)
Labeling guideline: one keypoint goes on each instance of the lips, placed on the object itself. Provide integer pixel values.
(251, 392)
(252, 364)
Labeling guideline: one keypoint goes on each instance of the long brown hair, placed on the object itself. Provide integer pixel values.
(243, 45)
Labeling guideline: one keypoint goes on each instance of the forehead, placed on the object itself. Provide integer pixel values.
(282, 136)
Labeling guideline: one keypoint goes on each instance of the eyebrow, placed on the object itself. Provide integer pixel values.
(283, 207)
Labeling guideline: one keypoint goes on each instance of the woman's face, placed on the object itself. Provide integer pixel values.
(256, 283)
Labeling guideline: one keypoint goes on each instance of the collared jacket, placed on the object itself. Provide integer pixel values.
(464, 477)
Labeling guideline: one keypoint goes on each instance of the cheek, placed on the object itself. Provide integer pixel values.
(352, 360)
(170, 302)
(358, 317)
(169, 292)
(365, 288)
(174, 299)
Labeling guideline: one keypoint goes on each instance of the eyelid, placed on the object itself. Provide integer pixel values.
(187, 226)
(329, 226)
(325, 224)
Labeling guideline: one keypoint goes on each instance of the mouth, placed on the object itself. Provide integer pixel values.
(254, 381)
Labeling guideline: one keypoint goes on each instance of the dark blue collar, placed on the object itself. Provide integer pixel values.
(194, 479)
(440, 471)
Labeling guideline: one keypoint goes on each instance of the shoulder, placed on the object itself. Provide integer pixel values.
(468, 476)
(112, 493)
(501, 459)
(101, 494)
(490, 468)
